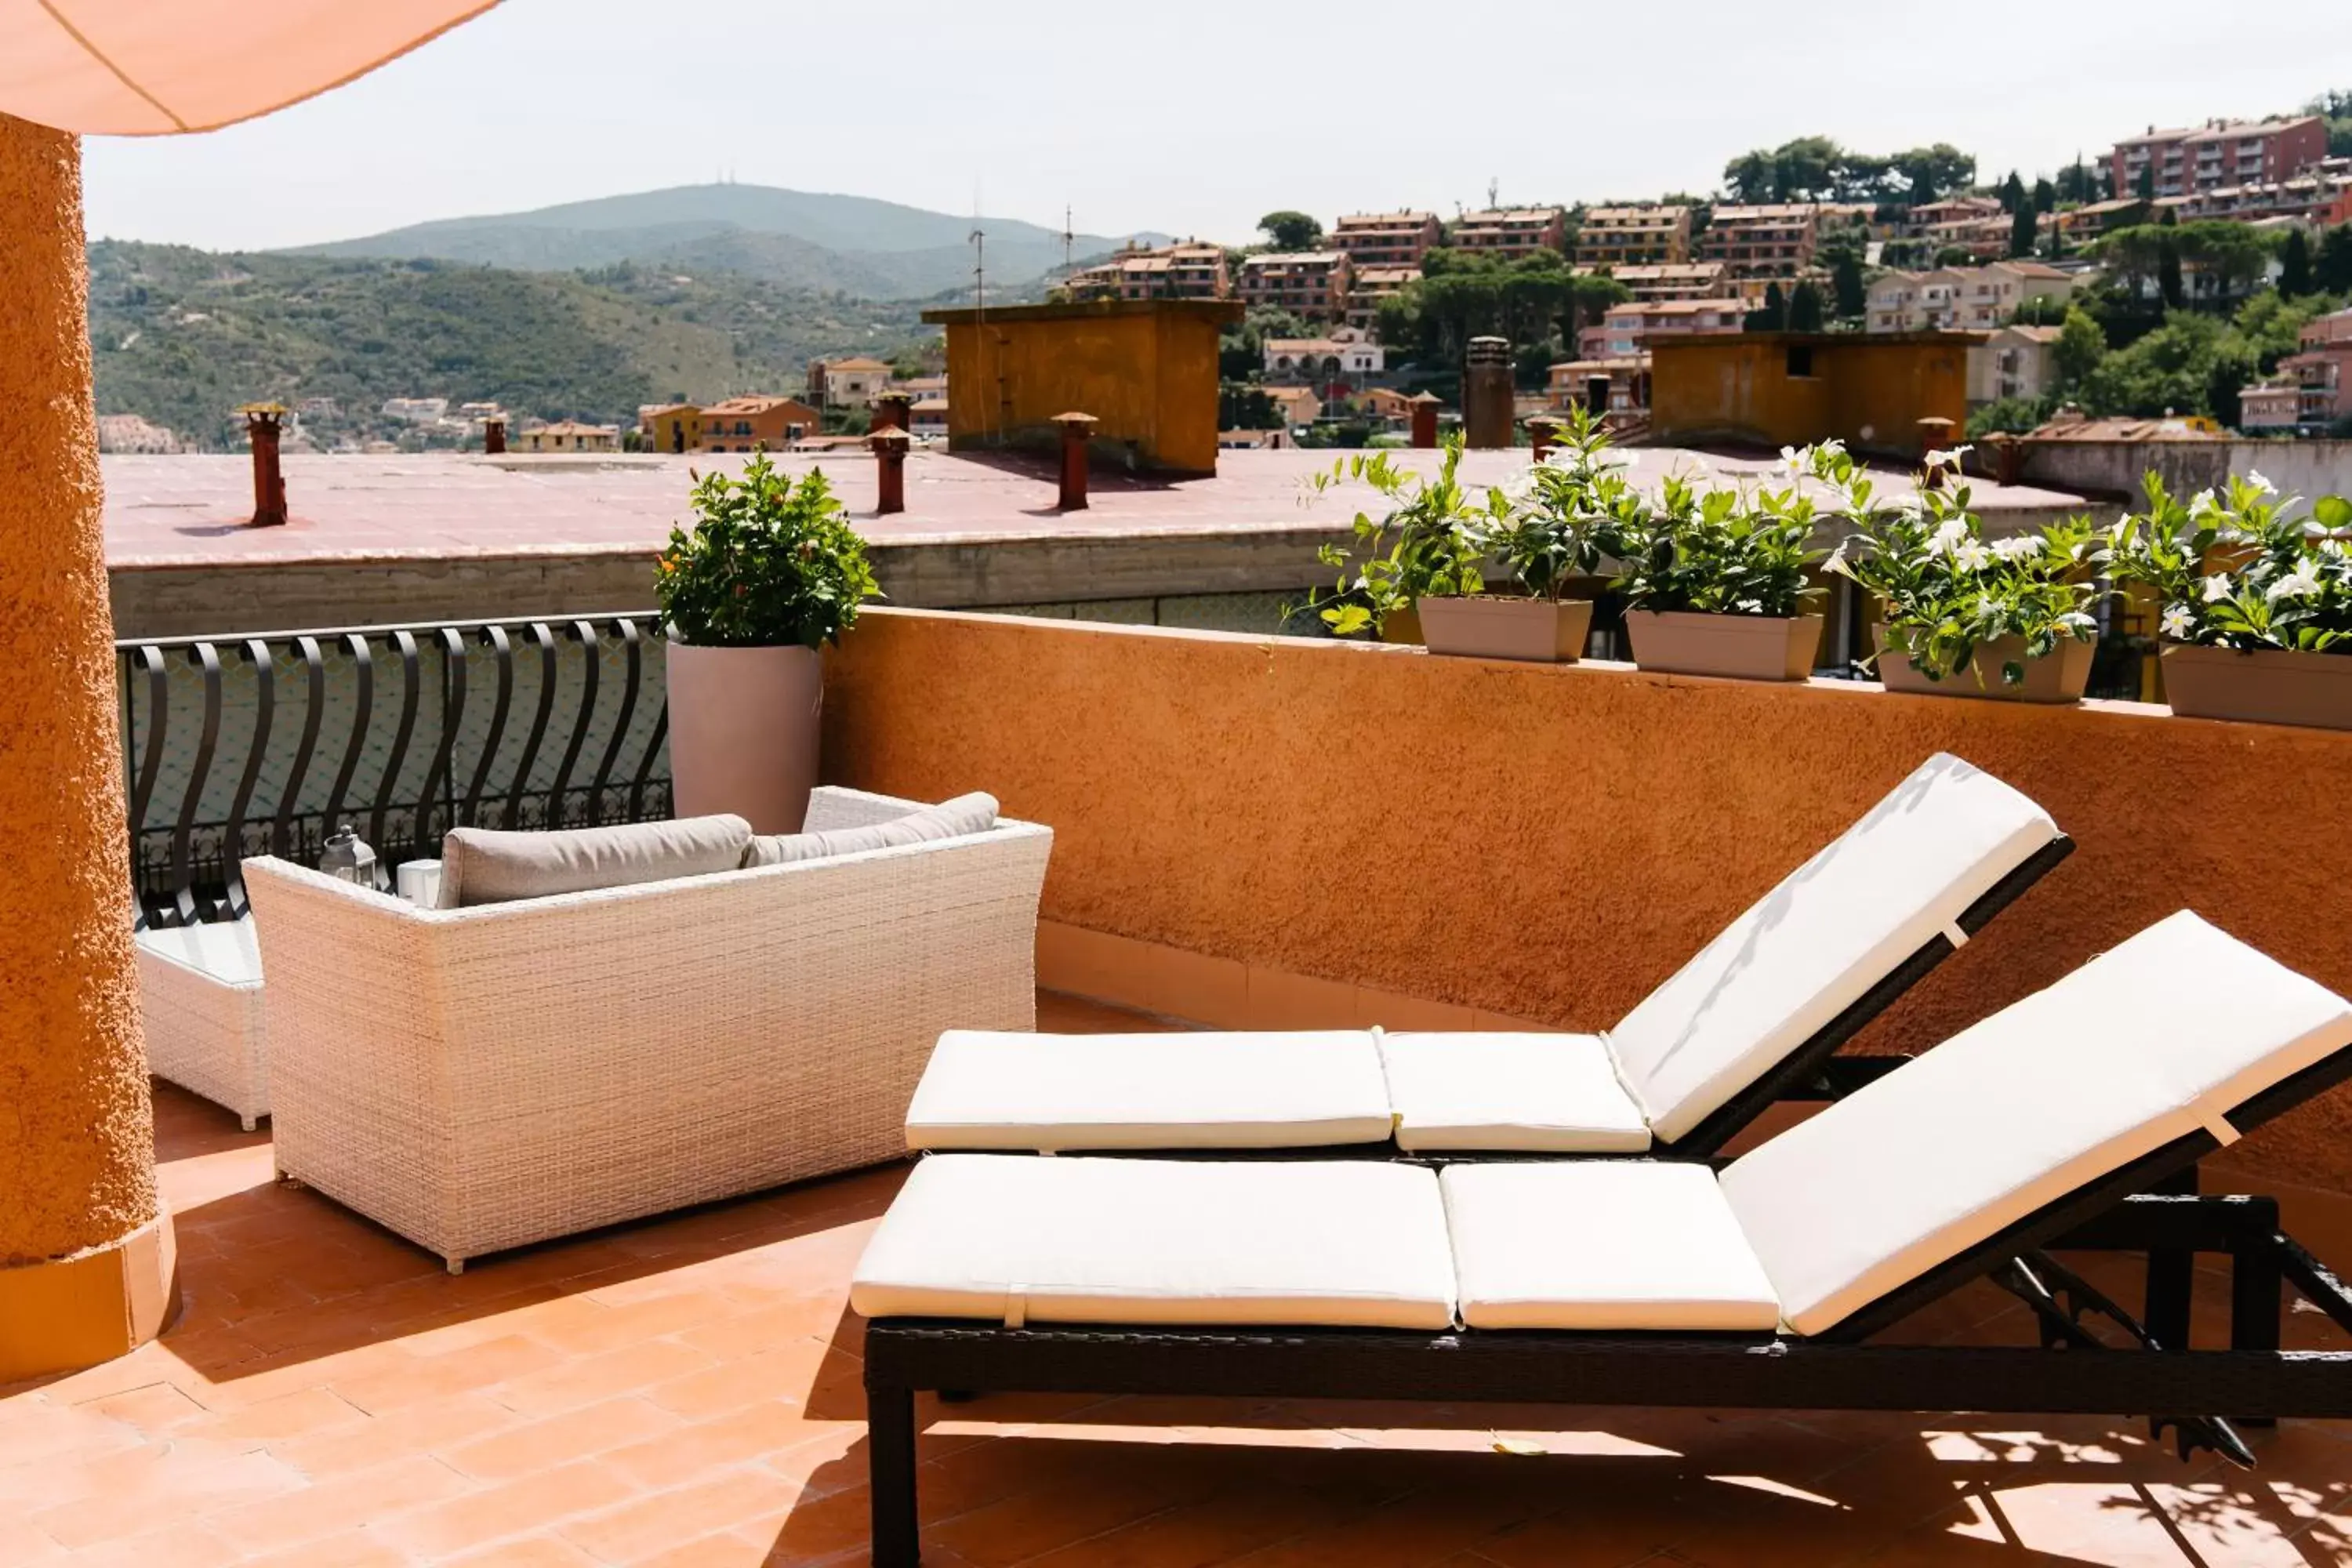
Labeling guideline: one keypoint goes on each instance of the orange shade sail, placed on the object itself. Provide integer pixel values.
(154, 68)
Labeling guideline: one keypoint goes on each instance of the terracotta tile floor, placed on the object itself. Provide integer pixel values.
(686, 1392)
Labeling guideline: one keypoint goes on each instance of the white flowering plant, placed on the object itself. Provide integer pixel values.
(1720, 551)
(1555, 529)
(2236, 566)
(1946, 591)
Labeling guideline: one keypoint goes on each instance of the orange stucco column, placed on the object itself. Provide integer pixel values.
(85, 1252)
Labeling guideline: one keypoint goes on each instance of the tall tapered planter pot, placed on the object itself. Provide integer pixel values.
(2264, 686)
(743, 733)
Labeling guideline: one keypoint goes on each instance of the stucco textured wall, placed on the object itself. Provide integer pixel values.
(1551, 842)
(1710, 386)
(76, 1151)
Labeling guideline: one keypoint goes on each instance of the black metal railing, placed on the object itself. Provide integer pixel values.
(262, 744)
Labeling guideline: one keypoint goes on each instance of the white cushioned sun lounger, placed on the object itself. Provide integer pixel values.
(2161, 1037)
(1846, 921)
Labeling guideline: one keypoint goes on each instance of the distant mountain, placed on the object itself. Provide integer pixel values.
(801, 239)
(184, 336)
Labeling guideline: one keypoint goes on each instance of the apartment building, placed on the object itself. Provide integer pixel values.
(1649, 236)
(1924, 218)
(2097, 219)
(1368, 286)
(1968, 298)
(2013, 362)
(570, 436)
(1628, 328)
(1509, 232)
(1322, 359)
(1769, 241)
(749, 423)
(1190, 270)
(2318, 371)
(1619, 385)
(1304, 282)
(2321, 196)
(1670, 280)
(848, 382)
(2273, 405)
(2181, 162)
(1386, 239)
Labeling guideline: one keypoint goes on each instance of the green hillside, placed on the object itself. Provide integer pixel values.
(184, 336)
(800, 240)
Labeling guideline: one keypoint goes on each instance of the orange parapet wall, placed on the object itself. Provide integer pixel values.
(1869, 390)
(1324, 821)
(1146, 368)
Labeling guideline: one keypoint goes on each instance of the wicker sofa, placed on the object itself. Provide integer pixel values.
(200, 998)
(480, 1079)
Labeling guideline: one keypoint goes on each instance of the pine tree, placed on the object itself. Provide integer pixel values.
(1805, 309)
(2147, 191)
(1773, 317)
(2294, 265)
(2012, 193)
(2168, 273)
(2021, 229)
(1845, 277)
(2333, 269)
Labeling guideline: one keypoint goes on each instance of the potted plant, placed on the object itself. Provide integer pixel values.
(1546, 539)
(1427, 544)
(1716, 582)
(1963, 616)
(2256, 619)
(771, 571)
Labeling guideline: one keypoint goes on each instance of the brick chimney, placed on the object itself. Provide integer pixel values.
(1543, 434)
(889, 444)
(494, 436)
(1425, 420)
(890, 410)
(263, 422)
(1487, 394)
(1076, 430)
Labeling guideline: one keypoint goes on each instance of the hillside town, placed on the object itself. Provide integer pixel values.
(2193, 280)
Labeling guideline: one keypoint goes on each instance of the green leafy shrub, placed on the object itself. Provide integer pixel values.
(769, 564)
(1946, 591)
(1720, 551)
(2237, 567)
(1430, 543)
(1553, 534)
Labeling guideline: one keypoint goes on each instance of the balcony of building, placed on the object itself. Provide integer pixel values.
(686, 1388)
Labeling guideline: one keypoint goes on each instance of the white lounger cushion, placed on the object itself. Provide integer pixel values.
(223, 952)
(2161, 1036)
(1814, 945)
(986, 1089)
(1613, 1244)
(1554, 1094)
(1015, 1239)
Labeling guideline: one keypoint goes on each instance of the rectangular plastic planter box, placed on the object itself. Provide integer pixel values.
(2061, 677)
(2267, 686)
(1492, 626)
(1745, 648)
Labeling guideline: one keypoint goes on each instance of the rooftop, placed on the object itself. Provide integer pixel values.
(191, 510)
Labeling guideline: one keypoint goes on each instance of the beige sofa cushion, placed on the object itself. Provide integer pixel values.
(2162, 1036)
(1554, 1094)
(1601, 1244)
(1811, 947)
(1273, 1088)
(958, 818)
(1018, 1238)
(486, 865)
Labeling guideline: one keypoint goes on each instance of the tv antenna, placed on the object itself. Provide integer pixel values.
(1494, 194)
(1068, 241)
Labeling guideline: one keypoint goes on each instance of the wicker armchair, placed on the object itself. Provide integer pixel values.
(480, 1079)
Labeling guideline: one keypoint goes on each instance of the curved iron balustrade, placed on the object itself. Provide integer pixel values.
(190, 830)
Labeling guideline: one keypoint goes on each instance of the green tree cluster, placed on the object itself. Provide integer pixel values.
(1816, 169)
(1533, 300)
(1288, 230)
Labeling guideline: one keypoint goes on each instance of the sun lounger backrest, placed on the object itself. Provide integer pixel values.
(2145, 1044)
(1814, 945)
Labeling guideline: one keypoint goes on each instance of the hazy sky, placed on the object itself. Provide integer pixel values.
(1192, 118)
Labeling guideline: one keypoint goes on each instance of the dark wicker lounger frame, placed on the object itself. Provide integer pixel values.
(2129, 1210)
